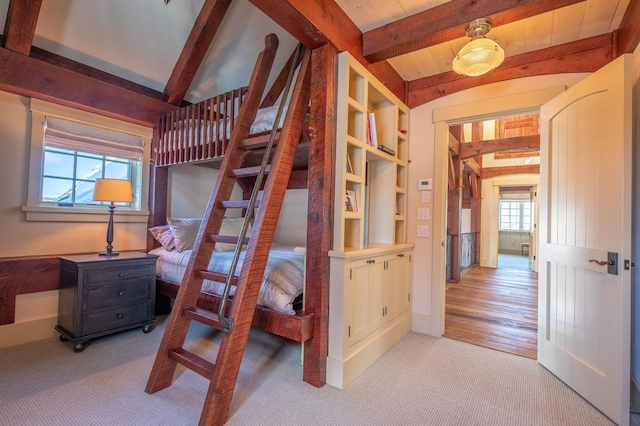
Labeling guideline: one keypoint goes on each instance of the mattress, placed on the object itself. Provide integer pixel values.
(283, 279)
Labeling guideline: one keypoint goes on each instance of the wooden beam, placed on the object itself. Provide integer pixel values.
(447, 22)
(471, 166)
(31, 77)
(195, 48)
(628, 34)
(586, 55)
(489, 172)
(20, 26)
(318, 22)
(322, 155)
(473, 149)
(455, 137)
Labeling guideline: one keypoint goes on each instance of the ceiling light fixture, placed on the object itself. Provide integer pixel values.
(480, 55)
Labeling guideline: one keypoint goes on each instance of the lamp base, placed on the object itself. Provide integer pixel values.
(109, 253)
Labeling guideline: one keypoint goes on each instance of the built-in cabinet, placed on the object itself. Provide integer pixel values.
(370, 295)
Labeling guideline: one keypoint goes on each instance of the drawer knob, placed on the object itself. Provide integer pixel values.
(121, 293)
(119, 316)
(121, 274)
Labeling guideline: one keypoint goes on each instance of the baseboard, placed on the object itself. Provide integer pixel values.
(25, 332)
(635, 395)
(421, 323)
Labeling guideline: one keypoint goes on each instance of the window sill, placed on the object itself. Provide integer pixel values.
(80, 214)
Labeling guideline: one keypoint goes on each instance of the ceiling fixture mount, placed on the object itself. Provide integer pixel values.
(480, 55)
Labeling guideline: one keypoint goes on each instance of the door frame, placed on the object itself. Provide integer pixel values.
(504, 106)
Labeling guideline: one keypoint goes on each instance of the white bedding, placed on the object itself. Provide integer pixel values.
(282, 283)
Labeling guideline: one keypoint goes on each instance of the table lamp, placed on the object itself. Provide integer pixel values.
(112, 190)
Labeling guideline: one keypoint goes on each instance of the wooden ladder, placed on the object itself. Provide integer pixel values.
(224, 372)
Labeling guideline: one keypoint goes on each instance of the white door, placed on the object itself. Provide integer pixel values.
(533, 233)
(585, 213)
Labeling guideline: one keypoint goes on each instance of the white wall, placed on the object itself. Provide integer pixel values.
(422, 151)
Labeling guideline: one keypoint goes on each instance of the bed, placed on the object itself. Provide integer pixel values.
(193, 135)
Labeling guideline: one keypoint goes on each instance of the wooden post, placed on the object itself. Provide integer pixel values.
(322, 126)
(476, 199)
(454, 206)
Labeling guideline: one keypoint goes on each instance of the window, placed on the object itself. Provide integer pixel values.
(515, 215)
(69, 150)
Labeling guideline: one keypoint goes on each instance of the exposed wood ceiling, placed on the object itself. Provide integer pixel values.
(96, 54)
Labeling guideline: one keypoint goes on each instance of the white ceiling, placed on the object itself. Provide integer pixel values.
(141, 40)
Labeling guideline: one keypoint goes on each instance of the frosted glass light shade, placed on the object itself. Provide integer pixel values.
(478, 57)
(116, 190)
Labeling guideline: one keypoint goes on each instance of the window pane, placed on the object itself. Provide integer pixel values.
(58, 164)
(89, 168)
(84, 192)
(57, 190)
(117, 170)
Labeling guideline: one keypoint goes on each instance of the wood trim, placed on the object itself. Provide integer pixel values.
(20, 26)
(447, 22)
(586, 55)
(489, 172)
(27, 76)
(479, 148)
(22, 275)
(195, 48)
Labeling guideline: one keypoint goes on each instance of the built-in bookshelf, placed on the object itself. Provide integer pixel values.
(372, 149)
(370, 289)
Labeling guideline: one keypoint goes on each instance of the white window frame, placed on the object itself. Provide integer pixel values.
(522, 208)
(35, 210)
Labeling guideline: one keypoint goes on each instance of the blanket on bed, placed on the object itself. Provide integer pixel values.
(282, 282)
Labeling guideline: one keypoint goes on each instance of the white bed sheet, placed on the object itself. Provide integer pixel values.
(283, 278)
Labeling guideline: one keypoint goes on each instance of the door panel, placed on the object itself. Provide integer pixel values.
(585, 212)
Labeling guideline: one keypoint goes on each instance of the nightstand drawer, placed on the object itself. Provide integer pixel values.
(112, 275)
(123, 293)
(125, 316)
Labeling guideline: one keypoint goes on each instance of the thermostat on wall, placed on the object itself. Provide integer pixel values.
(424, 184)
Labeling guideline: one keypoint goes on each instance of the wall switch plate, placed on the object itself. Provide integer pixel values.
(426, 197)
(423, 231)
(423, 213)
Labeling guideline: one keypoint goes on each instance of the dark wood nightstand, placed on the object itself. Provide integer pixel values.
(100, 295)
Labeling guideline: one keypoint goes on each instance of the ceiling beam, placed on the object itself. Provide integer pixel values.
(586, 55)
(629, 31)
(27, 76)
(471, 166)
(318, 22)
(473, 149)
(447, 22)
(489, 172)
(194, 50)
(20, 26)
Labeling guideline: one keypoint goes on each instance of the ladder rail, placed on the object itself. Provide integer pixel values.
(227, 322)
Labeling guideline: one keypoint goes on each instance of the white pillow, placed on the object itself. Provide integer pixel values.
(185, 231)
(265, 117)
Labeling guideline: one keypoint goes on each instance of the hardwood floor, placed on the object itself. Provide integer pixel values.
(495, 308)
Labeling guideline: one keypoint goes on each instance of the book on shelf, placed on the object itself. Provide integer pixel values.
(350, 201)
(371, 126)
(349, 168)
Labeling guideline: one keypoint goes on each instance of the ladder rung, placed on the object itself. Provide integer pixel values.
(238, 204)
(229, 239)
(216, 277)
(203, 316)
(192, 362)
(258, 141)
(248, 171)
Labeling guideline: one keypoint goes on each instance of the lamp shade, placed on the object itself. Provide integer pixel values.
(478, 57)
(113, 190)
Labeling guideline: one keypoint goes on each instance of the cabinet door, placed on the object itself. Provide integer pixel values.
(377, 280)
(404, 282)
(393, 283)
(357, 296)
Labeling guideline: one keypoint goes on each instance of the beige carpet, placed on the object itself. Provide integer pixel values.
(421, 381)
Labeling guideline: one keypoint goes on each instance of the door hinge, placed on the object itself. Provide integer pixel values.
(350, 274)
(349, 328)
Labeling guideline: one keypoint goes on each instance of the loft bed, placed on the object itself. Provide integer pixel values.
(198, 134)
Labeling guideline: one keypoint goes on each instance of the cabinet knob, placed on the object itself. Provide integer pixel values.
(121, 274)
(121, 293)
(120, 316)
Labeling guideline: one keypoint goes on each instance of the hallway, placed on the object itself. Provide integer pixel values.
(495, 308)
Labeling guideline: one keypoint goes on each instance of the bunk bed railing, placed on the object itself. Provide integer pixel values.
(198, 132)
